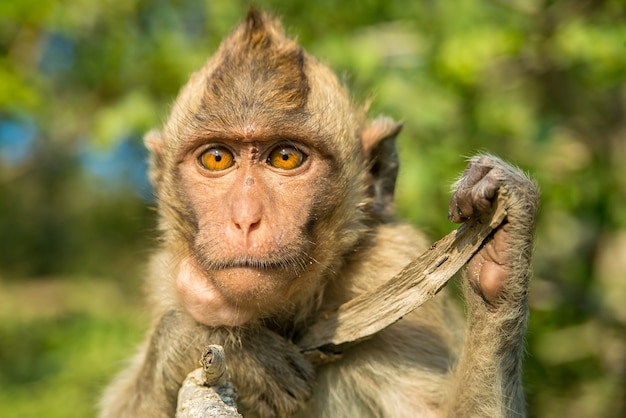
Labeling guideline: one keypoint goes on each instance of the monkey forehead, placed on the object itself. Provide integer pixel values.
(262, 82)
(249, 110)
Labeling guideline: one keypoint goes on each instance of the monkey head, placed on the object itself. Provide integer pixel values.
(263, 174)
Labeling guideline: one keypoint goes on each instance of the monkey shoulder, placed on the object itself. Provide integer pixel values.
(388, 249)
(412, 356)
(433, 328)
(392, 246)
(400, 239)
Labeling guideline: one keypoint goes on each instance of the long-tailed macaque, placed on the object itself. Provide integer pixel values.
(274, 197)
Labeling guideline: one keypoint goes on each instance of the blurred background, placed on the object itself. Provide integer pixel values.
(538, 82)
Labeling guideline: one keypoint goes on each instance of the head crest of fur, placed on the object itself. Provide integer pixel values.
(259, 71)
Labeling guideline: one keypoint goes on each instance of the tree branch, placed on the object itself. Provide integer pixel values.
(206, 392)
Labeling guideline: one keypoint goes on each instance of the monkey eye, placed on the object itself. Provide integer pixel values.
(286, 157)
(217, 159)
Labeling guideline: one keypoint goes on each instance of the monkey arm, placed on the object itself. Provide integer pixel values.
(488, 377)
(487, 381)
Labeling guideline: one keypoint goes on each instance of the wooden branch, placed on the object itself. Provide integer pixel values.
(418, 282)
(206, 392)
(214, 365)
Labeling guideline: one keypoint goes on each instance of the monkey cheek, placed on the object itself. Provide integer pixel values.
(204, 302)
(233, 296)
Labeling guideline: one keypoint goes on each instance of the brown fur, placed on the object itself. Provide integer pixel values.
(308, 240)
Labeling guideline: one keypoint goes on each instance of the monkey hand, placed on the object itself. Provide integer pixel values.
(272, 377)
(500, 269)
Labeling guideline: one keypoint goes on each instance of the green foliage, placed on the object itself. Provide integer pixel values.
(540, 83)
(61, 342)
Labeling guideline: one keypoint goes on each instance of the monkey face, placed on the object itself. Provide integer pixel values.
(253, 200)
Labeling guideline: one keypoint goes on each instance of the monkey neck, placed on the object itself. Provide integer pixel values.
(281, 326)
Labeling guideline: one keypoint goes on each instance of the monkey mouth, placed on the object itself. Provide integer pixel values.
(287, 261)
(292, 265)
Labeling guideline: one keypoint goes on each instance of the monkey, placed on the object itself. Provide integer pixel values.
(275, 203)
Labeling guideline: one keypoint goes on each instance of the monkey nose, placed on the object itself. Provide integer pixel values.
(245, 220)
(246, 214)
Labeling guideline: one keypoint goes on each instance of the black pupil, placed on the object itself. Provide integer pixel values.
(285, 155)
(218, 157)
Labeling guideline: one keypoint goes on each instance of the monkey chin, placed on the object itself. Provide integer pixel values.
(232, 296)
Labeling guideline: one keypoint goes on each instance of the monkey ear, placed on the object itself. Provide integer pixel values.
(154, 143)
(379, 144)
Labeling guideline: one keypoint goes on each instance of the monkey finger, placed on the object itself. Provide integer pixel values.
(461, 208)
(483, 193)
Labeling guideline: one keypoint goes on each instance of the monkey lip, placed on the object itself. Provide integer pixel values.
(256, 264)
(251, 264)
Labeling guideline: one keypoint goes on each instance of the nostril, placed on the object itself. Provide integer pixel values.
(247, 227)
(254, 226)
